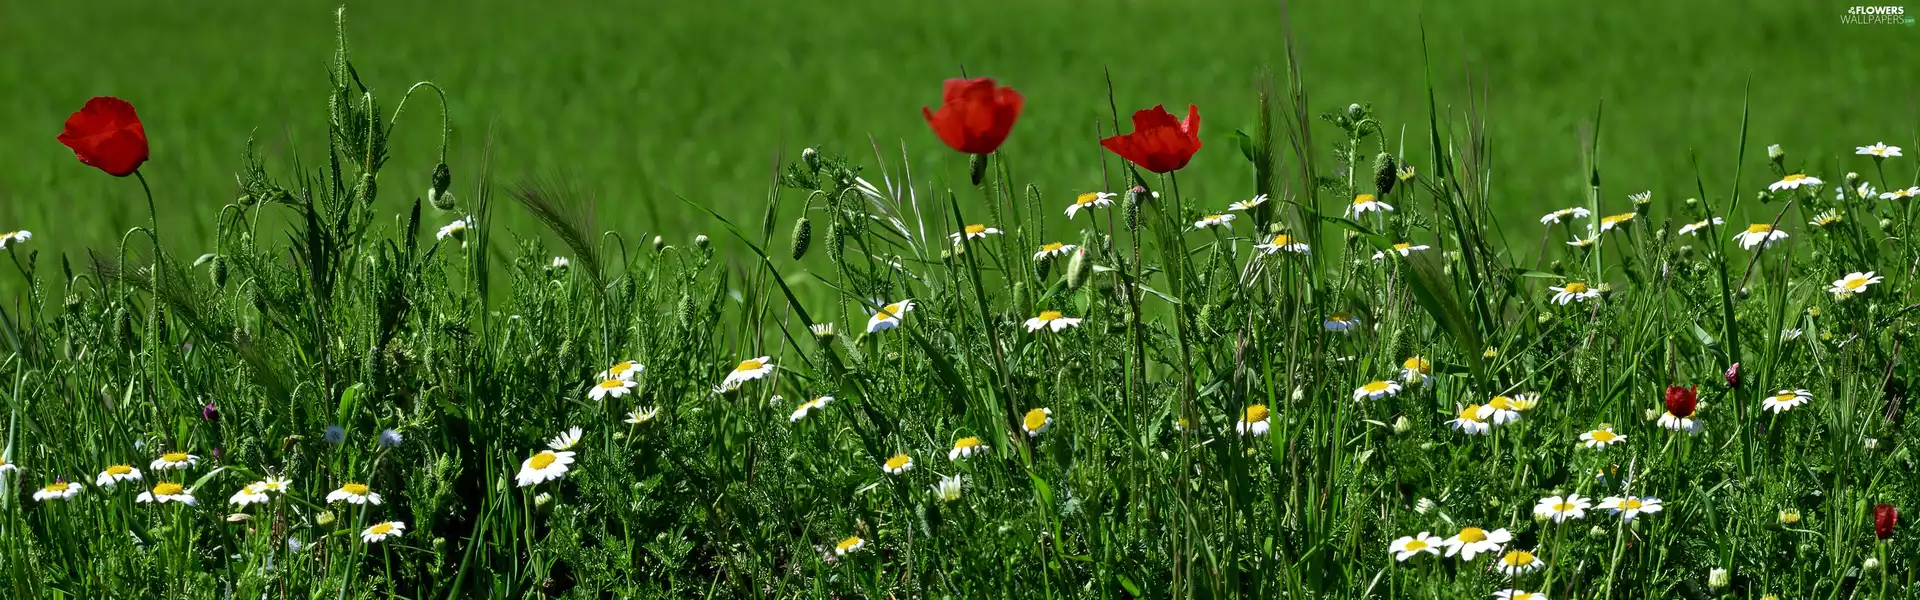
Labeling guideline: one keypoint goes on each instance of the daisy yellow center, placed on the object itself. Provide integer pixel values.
(898, 461)
(1256, 413)
(1783, 396)
(1794, 177)
(57, 487)
(1281, 240)
(749, 365)
(1418, 364)
(1052, 247)
(1375, 387)
(1563, 507)
(1619, 218)
(1470, 413)
(357, 489)
(1759, 228)
(966, 442)
(1524, 596)
(174, 457)
(621, 368)
(1518, 558)
(1416, 545)
(1855, 283)
(1402, 247)
(1575, 287)
(1473, 535)
(1035, 419)
(1631, 504)
(1213, 217)
(381, 529)
(976, 229)
(167, 489)
(542, 460)
(1602, 435)
(612, 383)
(119, 470)
(1087, 198)
(1050, 315)
(1339, 317)
(1501, 402)
(849, 543)
(1363, 199)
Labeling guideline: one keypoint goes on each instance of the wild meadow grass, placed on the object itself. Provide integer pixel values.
(1341, 382)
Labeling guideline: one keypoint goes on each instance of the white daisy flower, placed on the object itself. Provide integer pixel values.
(900, 463)
(14, 237)
(1365, 203)
(1255, 422)
(1695, 227)
(379, 532)
(1864, 192)
(252, 493)
(174, 460)
(1248, 204)
(1515, 594)
(611, 387)
(1878, 150)
(1501, 410)
(566, 440)
(974, 232)
(888, 317)
(1281, 241)
(456, 230)
(1090, 200)
(1225, 220)
(1416, 371)
(116, 474)
(1470, 422)
(1518, 562)
(747, 370)
(1600, 438)
(1375, 390)
(1607, 223)
(1403, 249)
(1789, 334)
(1786, 400)
(1684, 423)
(1557, 216)
(1641, 197)
(848, 546)
(7, 466)
(1473, 541)
(1854, 283)
(58, 490)
(1339, 321)
(966, 447)
(1561, 510)
(547, 465)
(1794, 182)
(625, 369)
(1585, 242)
(1825, 218)
(275, 485)
(640, 416)
(800, 412)
(1051, 320)
(1051, 250)
(949, 488)
(1037, 421)
(1629, 507)
(1413, 545)
(1573, 291)
(164, 492)
(1758, 234)
(354, 493)
(561, 262)
(1901, 194)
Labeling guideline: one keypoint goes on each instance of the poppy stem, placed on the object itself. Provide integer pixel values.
(153, 309)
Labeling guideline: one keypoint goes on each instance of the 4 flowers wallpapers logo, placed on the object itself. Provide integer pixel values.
(975, 117)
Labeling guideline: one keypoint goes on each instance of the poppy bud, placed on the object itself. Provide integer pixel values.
(219, 271)
(977, 168)
(1681, 402)
(1136, 197)
(1733, 375)
(210, 413)
(1077, 269)
(442, 179)
(368, 189)
(1383, 173)
(1885, 517)
(811, 158)
(440, 200)
(802, 237)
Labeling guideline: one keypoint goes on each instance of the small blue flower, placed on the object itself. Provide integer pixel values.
(335, 435)
(390, 438)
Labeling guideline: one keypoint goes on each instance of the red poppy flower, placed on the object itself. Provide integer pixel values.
(975, 115)
(1681, 401)
(107, 135)
(1885, 516)
(1159, 143)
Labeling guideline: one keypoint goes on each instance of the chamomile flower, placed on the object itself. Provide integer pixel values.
(1470, 422)
(1053, 249)
(1416, 370)
(1255, 421)
(379, 532)
(1864, 192)
(801, 411)
(58, 490)
(456, 230)
(560, 262)
(1786, 400)
(547, 465)
(1641, 197)
(640, 416)
(1607, 223)
(1366, 203)
(949, 488)
(1375, 390)
(1683, 423)
(1518, 562)
(1515, 594)
(1790, 334)
(354, 493)
(164, 492)
(1051, 320)
(1248, 204)
(1759, 234)
(888, 317)
(174, 460)
(748, 370)
(900, 463)
(1878, 150)
(1794, 182)
(1414, 545)
(1901, 194)
(7, 466)
(1573, 291)
(1279, 242)
(974, 232)
(1473, 541)
(1601, 437)
(1403, 249)
(1090, 200)
(1557, 216)
(1037, 421)
(1854, 283)
(1630, 507)
(275, 485)
(14, 237)
(116, 474)
(252, 493)
(966, 447)
(1585, 242)
(565, 440)
(1225, 220)
(1828, 217)
(611, 387)
(1561, 510)
(1696, 227)
(850, 545)
(1339, 321)
(1501, 410)
(625, 369)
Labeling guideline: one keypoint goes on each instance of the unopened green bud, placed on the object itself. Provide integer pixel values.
(1077, 269)
(1356, 112)
(218, 271)
(246, 200)
(442, 178)
(811, 158)
(823, 332)
(440, 200)
(1763, 196)
(1383, 173)
(978, 168)
(802, 236)
(323, 519)
(368, 188)
(1852, 179)
(1402, 425)
(701, 241)
(1776, 154)
(659, 243)
(1886, 224)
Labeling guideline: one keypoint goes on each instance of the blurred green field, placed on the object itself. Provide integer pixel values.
(640, 101)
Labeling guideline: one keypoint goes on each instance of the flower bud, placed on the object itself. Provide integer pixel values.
(323, 519)
(1719, 579)
(368, 188)
(1776, 154)
(1383, 173)
(1732, 376)
(1886, 224)
(811, 158)
(1763, 196)
(542, 499)
(701, 241)
(822, 332)
(1423, 506)
(802, 236)
(659, 243)
(1077, 269)
(1406, 173)
(218, 271)
(1853, 180)
(239, 518)
(1789, 517)
(977, 168)
(1402, 425)
(442, 180)
(1871, 566)
(1356, 112)
(1597, 531)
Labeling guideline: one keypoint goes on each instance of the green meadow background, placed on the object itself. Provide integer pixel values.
(643, 101)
